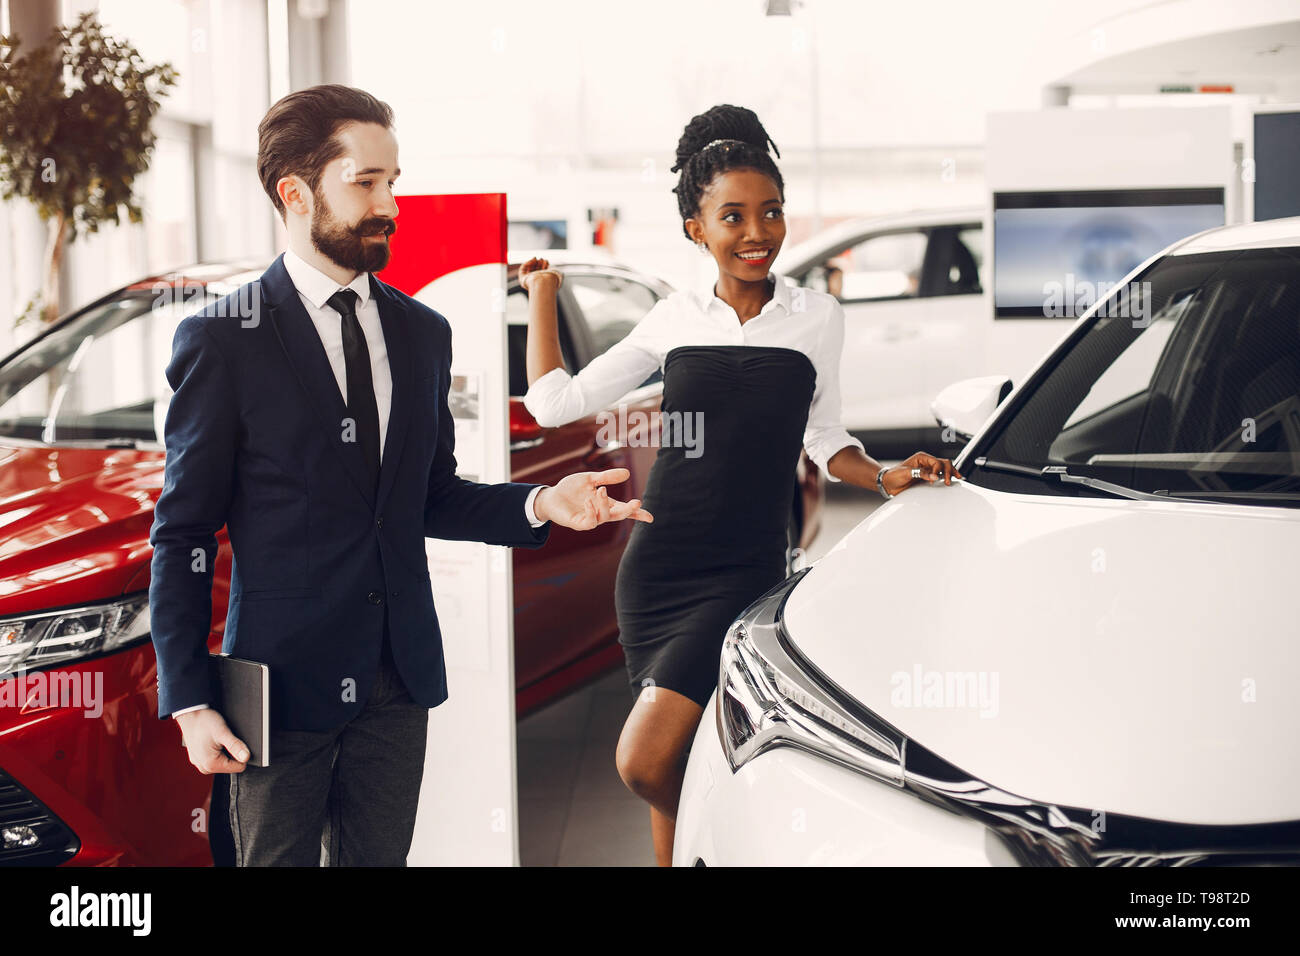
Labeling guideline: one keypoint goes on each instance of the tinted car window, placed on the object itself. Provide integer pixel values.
(1191, 388)
(972, 241)
(99, 377)
(517, 341)
(611, 306)
(953, 261)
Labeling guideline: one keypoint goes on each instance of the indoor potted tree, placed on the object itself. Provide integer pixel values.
(76, 117)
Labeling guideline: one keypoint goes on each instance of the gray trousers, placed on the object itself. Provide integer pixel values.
(344, 797)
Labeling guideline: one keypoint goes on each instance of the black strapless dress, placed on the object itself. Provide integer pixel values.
(718, 538)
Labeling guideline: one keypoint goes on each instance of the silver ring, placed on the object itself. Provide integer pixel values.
(916, 472)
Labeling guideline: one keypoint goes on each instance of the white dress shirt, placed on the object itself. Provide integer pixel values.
(314, 290)
(795, 317)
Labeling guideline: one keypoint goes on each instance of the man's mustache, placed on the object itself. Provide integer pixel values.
(369, 227)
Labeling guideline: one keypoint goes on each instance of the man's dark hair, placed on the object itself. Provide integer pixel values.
(743, 145)
(296, 136)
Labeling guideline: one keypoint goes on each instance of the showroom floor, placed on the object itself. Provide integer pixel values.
(573, 808)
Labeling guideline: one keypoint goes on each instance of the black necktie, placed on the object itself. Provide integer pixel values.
(362, 407)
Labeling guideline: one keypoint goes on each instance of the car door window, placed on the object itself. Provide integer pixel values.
(611, 307)
(881, 266)
(100, 377)
(953, 261)
(971, 239)
(517, 341)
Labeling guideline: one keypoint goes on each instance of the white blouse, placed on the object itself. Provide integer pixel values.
(795, 317)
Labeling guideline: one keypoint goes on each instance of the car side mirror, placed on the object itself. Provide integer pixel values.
(966, 405)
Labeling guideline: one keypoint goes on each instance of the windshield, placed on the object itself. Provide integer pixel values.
(1188, 386)
(98, 378)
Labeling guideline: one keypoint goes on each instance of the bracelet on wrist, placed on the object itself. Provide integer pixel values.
(880, 484)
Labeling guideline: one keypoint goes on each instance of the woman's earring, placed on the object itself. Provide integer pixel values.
(701, 246)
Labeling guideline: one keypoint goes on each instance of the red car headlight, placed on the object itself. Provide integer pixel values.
(47, 638)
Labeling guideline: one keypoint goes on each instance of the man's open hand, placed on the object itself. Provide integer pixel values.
(581, 503)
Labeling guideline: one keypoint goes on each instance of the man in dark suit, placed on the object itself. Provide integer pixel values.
(310, 417)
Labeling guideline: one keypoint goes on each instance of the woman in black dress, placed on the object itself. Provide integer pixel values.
(752, 364)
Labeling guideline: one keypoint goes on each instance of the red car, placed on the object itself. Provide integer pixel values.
(81, 465)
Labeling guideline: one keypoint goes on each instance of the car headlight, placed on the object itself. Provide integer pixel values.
(768, 696)
(56, 637)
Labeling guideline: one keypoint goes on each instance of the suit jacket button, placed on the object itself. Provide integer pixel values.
(374, 597)
(379, 522)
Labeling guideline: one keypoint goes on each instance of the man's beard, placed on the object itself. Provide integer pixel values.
(344, 244)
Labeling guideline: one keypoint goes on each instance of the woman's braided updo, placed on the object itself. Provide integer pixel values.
(717, 141)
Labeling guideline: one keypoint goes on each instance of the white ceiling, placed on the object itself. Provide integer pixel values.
(1262, 59)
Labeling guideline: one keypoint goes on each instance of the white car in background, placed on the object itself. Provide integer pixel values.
(917, 317)
(1082, 654)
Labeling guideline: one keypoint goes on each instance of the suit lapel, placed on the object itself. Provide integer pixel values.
(394, 318)
(302, 344)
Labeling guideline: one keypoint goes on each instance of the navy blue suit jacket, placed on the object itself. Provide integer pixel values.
(255, 441)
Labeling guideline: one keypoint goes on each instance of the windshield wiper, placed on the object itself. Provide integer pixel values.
(1231, 495)
(1008, 467)
(1060, 473)
(1109, 486)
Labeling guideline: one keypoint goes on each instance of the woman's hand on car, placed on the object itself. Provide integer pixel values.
(919, 467)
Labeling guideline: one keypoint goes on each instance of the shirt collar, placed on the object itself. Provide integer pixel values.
(317, 286)
(705, 297)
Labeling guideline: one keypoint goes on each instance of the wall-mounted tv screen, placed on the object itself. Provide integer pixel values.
(1054, 250)
(1277, 144)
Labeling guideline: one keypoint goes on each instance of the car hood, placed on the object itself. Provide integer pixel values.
(74, 523)
(1135, 657)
